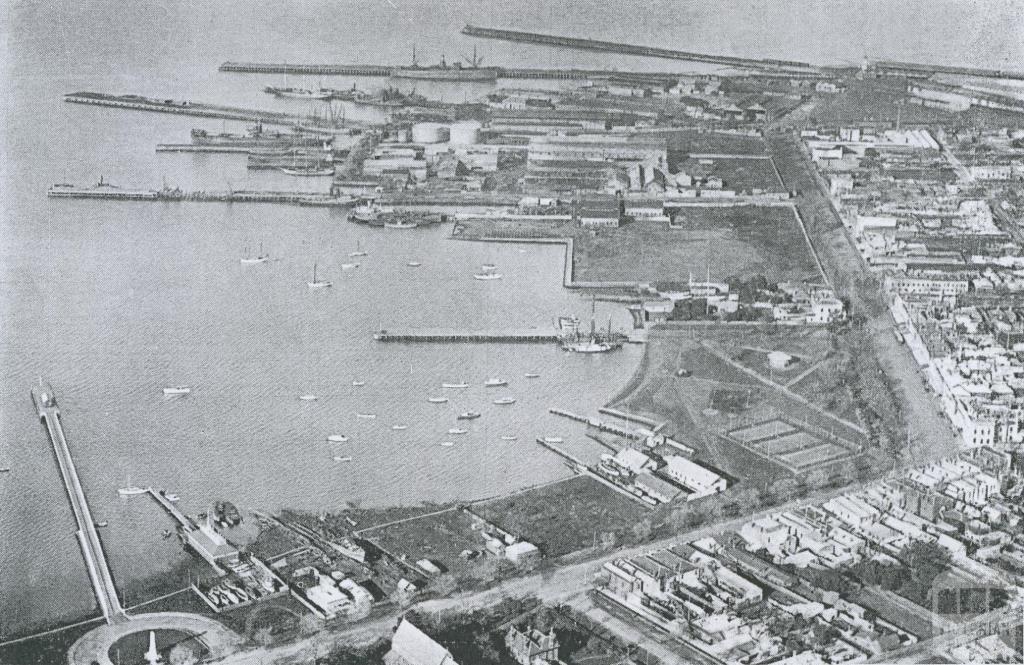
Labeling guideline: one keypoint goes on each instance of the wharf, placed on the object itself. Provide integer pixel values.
(593, 422)
(467, 336)
(388, 70)
(176, 195)
(172, 509)
(180, 107)
(191, 147)
(781, 66)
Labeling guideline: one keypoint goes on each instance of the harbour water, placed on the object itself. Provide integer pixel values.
(113, 301)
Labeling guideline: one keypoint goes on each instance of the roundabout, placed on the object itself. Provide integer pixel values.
(94, 647)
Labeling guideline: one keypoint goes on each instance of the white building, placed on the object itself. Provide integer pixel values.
(694, 477)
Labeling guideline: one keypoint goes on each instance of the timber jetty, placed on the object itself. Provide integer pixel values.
(390, 70)
(467, 336)
(106, 191)
(202, 110)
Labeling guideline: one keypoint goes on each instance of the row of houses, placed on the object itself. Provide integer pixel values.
(723, 604)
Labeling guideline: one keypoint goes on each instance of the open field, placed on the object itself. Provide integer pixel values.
(706, 409)
(738, 174)
(563, 518)
(439, 538)
(738, 241)
(683, 142)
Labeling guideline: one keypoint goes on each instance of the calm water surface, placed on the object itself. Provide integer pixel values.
(111, 301)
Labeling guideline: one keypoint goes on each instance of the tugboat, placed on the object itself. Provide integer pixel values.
(369, 213)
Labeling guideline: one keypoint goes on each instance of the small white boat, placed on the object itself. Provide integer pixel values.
(437, 400)
(457, 430)
(308, 398)
(349, 266)
(358, 383)
(101, 523)
(318, 283)
(342, 459)
(487, 276)
(173, 498)
(447, 444)
(399, 428)
(177, 390)
(368, 416)
(504, 401)
(337, 438)
(414, 264)
(532, 375)
(359, 251)
(495, 383)
(131, 490)
(554, 439)
(509, 437)
(468, 415)
(454, 385)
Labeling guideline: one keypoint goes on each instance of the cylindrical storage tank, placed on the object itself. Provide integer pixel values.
(465, 133)
(429, 132)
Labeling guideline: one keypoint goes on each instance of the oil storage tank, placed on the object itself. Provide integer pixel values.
(465, 132)
(429, 132)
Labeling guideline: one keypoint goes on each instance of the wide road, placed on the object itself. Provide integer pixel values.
(566, 584)
(88, 538)
(931, 434)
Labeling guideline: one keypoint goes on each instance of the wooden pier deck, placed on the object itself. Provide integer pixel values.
(467, 336)
(202, 110)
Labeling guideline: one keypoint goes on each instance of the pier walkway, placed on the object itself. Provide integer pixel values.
(471, 336)
(88, 538)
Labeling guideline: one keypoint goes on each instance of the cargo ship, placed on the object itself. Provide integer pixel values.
(472, 73)
(257, 137)
(102, 190)
(390, 98)
(299, 93)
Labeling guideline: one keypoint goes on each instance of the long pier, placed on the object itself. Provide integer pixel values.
(177, 195)
(387, 70)
(200, 109)
(92, 550)
(466, 336)
(636, 49)
(595, 423)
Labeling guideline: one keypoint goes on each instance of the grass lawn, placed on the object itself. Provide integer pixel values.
(741, 175)
(682, 142)
(438, 537)
(734, 241)
(564, 517)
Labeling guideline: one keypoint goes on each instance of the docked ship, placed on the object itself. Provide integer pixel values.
(472, 72)
(314, 170)
(370, 213)
(257, 137)
(390, 98)
(299, 93)
(596, 341)
(102, 190)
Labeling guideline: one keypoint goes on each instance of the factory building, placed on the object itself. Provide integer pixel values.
(592, 161)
